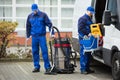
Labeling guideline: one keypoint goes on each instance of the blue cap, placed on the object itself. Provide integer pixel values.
(34, 7)
(91, 9)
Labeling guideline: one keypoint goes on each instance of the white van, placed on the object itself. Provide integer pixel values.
(107, 12)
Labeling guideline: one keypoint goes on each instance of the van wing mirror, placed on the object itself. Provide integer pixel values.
(107, 17)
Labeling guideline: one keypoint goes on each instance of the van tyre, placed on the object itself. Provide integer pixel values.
(116, 66)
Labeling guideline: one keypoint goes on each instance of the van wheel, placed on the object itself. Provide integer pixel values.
(116, 66)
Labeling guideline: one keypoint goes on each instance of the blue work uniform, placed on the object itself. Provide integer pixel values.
(36, 27)
(84, 23)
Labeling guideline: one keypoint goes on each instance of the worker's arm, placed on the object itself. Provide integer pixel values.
(49, 24)
(82, 28)
(28, 27)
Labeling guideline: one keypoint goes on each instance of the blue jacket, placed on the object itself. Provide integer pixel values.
(84, 23)
(36, 24)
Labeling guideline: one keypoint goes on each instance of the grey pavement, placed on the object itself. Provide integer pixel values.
(23, 71)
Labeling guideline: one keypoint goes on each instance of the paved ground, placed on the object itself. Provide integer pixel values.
(22, 71)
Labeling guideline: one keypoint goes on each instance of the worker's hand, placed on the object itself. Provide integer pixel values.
(89, 34)
(28, 38)
(96, 36)
(52, 37)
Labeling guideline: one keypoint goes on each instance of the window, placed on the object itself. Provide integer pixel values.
(5, 2)
(93, 3)
(67, 9)
(66, 23)
(54, 21)
(67, 12)
(47, 2)
(112, 6)
(24, 1)
(3, 19)
(118, 3)
(22, 11)
(21, 23)
(67, 2)
(50, 11)
(50, 7)
(5, 11)
(54, 12)
(59, 11)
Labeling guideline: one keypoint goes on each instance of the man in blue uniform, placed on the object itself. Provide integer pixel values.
(36, 28)
(84, 23)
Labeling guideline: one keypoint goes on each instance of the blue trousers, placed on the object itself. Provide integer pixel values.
(84, 59)
(40, 41)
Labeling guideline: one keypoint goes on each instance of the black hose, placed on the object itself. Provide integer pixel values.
(59, 38)
(50, 43)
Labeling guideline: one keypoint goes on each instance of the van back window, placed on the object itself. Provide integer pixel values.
(112, 6)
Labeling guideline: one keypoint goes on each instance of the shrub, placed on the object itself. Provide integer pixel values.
(6, 30)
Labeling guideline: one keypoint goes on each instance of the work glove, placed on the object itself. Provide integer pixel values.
(52, 34)
(89, 34)
(52, 37)
(28, 38)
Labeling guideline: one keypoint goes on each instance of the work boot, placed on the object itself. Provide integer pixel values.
(84, 72)
(36, 70)
(48, 71)
(90, 71)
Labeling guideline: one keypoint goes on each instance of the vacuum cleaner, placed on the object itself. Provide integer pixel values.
(62, 57)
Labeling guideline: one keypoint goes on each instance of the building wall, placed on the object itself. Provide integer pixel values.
(22, 40)
(59, 11)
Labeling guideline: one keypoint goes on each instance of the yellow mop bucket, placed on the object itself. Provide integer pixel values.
(95, 30)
